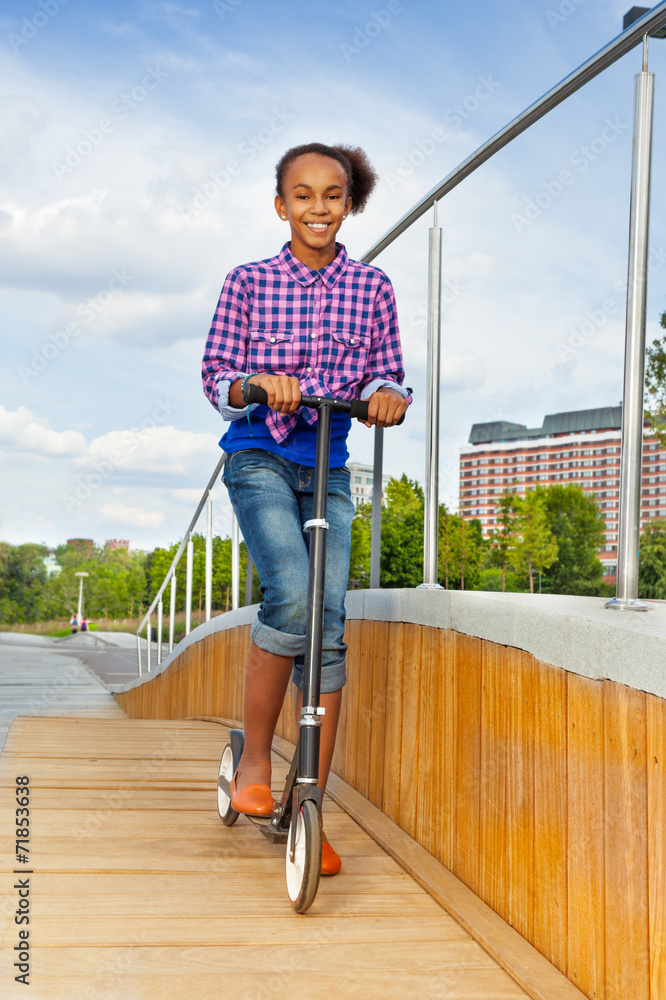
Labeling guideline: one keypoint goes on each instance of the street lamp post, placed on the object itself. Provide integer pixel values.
(79, 612)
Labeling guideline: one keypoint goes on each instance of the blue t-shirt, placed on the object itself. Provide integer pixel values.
(299, 447)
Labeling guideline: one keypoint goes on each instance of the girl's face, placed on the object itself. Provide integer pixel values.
(315, 202)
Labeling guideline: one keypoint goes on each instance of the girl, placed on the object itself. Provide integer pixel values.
(308, 320)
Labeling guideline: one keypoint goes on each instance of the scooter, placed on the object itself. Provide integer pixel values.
(296, 818)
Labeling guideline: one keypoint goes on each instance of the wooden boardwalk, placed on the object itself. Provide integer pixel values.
(138, 892)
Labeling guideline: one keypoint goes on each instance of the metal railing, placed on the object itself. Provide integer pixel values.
(632, 419)
(632, 416)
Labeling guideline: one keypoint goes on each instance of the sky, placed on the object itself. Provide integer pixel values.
(138, 143)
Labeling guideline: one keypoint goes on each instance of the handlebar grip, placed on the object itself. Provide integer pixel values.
(255, 394)
(359, 409)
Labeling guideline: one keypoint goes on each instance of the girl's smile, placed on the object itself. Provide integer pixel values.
(315, 202)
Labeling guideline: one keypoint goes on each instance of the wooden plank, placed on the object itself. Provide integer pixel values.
(656, 792)
(520, 875)
(362, 736)
(409, 750)
(586, 943)
(354, 667)
(446, 740)
(625, 783)
(492, 844)
(468, 762)
(550, 814)
(427, 805)
(393, 728)
(377, 710)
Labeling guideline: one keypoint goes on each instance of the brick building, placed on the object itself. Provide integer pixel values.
(581, 447)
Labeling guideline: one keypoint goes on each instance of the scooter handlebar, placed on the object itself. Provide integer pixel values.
(354, 407)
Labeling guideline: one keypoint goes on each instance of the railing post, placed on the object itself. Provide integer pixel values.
(631, 456)
(188, 586)
(138, 653)
(209, 557)
(377, 489)
(160, 617)
(148, 641)
(235, 563)
(431, 506)
(172, 609)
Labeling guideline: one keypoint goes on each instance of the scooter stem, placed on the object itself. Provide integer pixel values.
(310, 722)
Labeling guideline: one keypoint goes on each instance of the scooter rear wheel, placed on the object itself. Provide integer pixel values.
(304, 869)
(227, 814)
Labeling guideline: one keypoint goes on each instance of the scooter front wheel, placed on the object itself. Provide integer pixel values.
(304, 868)
(227, 814)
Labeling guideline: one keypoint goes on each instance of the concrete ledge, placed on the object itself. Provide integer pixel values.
(577, 634)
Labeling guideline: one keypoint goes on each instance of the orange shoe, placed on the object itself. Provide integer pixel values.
(330, 861)
(253, 800)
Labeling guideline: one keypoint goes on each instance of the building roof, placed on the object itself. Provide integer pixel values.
(602, 418)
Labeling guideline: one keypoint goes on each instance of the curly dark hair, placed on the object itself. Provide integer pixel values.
(361, 177)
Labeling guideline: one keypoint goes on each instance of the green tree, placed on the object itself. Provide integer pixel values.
(361, 536)
(461, 549)
(535, 546)
(655, 385)
(22, 582)
(503, 539)
(402, 534)
(578, 528)
(652, 562)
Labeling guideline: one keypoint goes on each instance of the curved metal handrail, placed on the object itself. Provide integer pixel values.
(605, 57)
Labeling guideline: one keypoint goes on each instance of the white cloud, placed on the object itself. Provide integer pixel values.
(163, 450)
(21, 431)
(134, 517)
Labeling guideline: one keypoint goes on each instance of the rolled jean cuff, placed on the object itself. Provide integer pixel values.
(333, 676)
(280, 643)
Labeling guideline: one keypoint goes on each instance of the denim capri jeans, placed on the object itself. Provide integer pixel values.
(272, 498)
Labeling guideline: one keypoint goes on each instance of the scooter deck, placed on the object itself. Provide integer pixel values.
(263, 823)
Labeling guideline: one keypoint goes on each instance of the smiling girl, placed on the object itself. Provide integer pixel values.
(309, 320)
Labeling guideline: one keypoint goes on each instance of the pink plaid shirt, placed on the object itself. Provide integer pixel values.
(335, 330)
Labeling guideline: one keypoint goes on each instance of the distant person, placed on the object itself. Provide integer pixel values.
(74, 624)
(84, 625)
(307, 320)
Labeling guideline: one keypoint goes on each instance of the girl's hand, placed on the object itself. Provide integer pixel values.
(385, 407)
(284, 391)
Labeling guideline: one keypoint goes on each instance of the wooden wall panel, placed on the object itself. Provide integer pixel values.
(393, 727)
(493, 776)
(625, 784)
(550, 814)
(446, 739)
(586, 950)
(519, 877)
(428, 756)
(468, 760)
(656, 791)
(409, 750)
(379, 636)
(544, 792)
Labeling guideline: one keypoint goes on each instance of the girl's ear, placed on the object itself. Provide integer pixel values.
(280, 207)
(348, 205)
